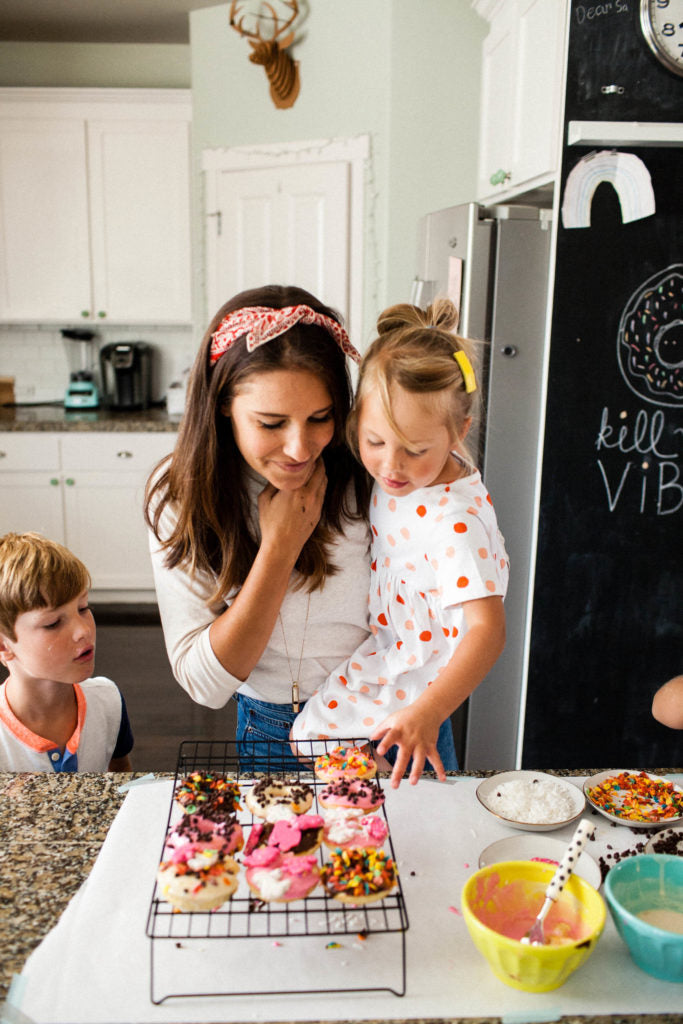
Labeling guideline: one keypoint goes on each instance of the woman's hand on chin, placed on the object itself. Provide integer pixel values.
(288, 518)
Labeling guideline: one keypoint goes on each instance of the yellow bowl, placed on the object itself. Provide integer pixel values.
(508, 896)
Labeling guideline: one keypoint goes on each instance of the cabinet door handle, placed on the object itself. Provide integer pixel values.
(500, 177)
(3, 455)
(124, 454)
(54, 481)
(101, 314)
(85, 313)
(69, 481)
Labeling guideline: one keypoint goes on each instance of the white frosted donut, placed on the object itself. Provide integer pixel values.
(348, 826)
(272, 798)
(195, 879)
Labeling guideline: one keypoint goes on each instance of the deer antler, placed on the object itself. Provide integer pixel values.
(282, 71)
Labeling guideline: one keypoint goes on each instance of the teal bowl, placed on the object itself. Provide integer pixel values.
(646, 883)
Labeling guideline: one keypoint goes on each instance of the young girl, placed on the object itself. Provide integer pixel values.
(439, 569)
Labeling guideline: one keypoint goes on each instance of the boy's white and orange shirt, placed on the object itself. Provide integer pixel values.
(89, 748)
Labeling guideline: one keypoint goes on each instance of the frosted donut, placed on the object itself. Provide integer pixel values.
(359, 876)
(281, 878)
(347, 827)
(217, 832)
(345, 763)
(302, 834)
(649, 338)
(273, 798)
(367, 796)
(199, 788)
(195, 878)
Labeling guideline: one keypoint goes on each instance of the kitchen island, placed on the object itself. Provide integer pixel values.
(51, 830)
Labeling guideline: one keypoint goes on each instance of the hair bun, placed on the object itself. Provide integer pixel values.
(442, 314)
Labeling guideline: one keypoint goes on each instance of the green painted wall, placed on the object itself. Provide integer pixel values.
(405, 73)
(120, 65)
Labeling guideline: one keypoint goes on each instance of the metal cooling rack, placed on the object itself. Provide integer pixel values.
(246, 917)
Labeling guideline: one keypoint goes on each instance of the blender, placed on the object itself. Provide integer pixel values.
(81, 392)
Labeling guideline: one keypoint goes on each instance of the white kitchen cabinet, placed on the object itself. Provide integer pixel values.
(522, 94)
(85, 490)
(95, 205)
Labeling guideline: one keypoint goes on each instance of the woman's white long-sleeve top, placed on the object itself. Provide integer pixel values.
(336, 623)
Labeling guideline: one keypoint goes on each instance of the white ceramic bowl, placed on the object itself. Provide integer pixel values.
(672, 836)
(486, 794)
(540, 848)
(641, 822)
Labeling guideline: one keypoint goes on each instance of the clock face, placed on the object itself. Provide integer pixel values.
(661, 22)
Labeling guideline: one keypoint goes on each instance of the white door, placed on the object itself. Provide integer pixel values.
(288, 225)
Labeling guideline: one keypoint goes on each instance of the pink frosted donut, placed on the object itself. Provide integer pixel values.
(298, 835)
(218, 833)
(281, 878)
(345, 763)
(346, 827)
(366, 796)
(195, 879)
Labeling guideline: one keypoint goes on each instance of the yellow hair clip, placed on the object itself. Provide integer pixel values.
(467, 371)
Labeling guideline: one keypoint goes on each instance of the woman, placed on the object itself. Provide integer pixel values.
(259, 536)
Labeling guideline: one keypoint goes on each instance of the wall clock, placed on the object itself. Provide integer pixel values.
(661, 22)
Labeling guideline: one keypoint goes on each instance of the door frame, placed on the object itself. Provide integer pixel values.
(354, 151)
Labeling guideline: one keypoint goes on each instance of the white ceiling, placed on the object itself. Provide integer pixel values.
(98, 21)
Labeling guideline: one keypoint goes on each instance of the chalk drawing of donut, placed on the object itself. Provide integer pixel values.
(624, 171)
(650, 339)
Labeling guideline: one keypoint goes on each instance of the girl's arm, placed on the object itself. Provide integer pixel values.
(415, 729)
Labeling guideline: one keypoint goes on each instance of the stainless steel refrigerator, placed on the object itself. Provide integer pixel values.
(493, 262)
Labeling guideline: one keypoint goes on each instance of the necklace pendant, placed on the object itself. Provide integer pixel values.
(295, 696)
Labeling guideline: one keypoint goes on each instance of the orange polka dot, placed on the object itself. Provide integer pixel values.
(410, 566)
(373, 565)
(421, 510)
(378, 703)
(409, 624)
(425, 635)
(356, 665)
(488, 498)
(450, 552)
(381, 681)
(343, 681)
(455, 631)
(387, 562)
(478, 501)
(472, 511)
(412, 659)
(365, 689)
(443, 500)
(374, 500)
(374, 530)
(460, 527)
(399, 644)
(463, 581)
(400, 599)
(373, 629)
(368, 721)
(405, 533)
(483, 552)
(400, 695)
(322, 736)
(353, 700)
(445, 630)
(330, 725)
(490, 586)
(435, 563)
(391, 540)
(391, 504)
(432, 613)
(332, 705)
(382, 619)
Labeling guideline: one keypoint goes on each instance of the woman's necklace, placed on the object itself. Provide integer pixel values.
(295, 680)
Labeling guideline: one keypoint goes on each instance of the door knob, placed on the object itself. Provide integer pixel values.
(509, 350)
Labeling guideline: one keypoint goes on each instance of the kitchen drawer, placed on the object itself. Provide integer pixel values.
(29, 451)
(115, 451)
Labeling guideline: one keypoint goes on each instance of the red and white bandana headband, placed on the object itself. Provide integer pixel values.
(262, 323)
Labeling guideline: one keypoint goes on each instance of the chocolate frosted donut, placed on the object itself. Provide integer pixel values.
(650, 339)
(367, 796)
(273, 798)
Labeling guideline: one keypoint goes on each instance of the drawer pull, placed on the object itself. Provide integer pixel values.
(3, 455)
(69, 481)
(124, 455)
(54, 481)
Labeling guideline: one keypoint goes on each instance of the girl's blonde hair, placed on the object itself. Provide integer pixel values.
(415, 350)
(36, 573)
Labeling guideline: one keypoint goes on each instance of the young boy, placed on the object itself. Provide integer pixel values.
(53, 715)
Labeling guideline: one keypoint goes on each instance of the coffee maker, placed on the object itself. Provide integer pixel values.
(126, 374)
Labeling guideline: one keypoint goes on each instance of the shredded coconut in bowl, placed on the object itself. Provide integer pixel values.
(534, 802)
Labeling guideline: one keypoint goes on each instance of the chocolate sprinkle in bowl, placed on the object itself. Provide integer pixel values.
(669, 840)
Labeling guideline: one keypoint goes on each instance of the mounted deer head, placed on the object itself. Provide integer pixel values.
(282, 71)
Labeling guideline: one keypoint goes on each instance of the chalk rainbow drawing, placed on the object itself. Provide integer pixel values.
(650, 338)
(627, 174)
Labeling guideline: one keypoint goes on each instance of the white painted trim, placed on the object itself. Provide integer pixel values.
(624, 133)
(355, 151)
(41, 102)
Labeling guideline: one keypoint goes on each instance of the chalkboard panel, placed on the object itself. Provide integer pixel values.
(608, 52)
(607, 621)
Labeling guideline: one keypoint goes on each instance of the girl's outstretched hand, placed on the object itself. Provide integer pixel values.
(415, 735)
(288, 518)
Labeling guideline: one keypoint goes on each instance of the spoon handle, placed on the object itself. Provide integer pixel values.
(566, 866)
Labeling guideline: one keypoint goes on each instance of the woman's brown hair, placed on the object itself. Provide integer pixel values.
(204, 479)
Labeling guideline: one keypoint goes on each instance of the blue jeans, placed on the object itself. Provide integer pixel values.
(263, 732)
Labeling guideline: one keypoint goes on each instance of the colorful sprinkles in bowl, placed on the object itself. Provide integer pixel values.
(637, 796)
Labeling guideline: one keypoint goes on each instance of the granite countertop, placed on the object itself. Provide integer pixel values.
(51, 829)
(18, 418)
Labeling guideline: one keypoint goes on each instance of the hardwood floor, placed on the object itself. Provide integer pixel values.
(130, 650)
